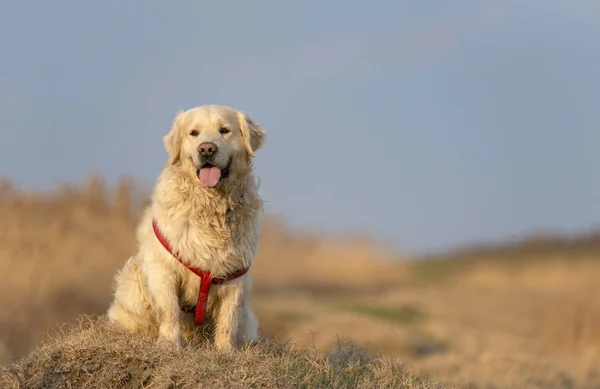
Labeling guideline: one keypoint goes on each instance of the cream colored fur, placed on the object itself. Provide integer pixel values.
(214, 229)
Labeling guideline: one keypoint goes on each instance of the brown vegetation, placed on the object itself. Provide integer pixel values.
(93, 354)
(510, 316)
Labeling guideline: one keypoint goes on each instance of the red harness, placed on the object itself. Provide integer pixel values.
(206, 279)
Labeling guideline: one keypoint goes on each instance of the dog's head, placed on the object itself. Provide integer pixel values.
(214, 142)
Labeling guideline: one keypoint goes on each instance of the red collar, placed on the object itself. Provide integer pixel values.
(206, 279)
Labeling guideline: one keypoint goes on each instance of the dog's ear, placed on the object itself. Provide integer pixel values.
(252, 133)
(173, 140)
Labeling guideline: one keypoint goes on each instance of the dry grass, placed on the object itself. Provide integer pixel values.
(92, 354)
(573, 322)
(521, 316)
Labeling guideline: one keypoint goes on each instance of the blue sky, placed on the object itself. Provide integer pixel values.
(426, 124)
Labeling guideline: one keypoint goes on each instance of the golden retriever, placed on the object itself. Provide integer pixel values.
(206, 207)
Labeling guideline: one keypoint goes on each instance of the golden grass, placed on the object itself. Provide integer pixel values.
(572, 322)
(503, 317)
(91, 354)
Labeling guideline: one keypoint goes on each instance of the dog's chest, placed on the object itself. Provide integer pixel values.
(219, 244)
(220, 249)
(214, 237)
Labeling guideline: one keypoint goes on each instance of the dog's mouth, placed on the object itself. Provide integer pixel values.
(210, 175)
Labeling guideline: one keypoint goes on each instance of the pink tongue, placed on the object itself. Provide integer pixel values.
(210, 176)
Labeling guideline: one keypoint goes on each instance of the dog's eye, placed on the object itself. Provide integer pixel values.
(224, 130)
(194, 133)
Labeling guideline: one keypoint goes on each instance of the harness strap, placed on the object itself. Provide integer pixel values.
(206, 279)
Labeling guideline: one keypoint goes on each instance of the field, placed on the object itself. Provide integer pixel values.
(521, 315)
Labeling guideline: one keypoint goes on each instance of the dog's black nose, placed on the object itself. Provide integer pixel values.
(207, 149)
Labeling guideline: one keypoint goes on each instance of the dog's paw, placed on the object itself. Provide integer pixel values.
(170, 344)
(225, 347)
(249, 338)
(251, 343)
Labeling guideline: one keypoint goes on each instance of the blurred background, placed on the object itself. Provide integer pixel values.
(429, 176)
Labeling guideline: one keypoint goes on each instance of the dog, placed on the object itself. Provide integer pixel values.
(199, 235)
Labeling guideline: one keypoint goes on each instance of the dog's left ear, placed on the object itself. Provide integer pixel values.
(173, 140)
(252, 133)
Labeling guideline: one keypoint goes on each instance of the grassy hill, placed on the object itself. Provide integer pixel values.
(91, 354)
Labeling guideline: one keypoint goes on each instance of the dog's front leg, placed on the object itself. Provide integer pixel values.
(162, 287)
(248, 325)
(230, 308)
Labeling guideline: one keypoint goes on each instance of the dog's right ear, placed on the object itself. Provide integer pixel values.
(252, 133)
(173, 140)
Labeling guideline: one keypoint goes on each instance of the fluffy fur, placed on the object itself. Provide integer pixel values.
(215, 229)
